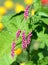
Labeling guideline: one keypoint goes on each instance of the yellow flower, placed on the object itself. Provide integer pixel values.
(33, 12)
(28, 2)
(19, 8)
(22, 63)
(1, 26)
(8, 4)
(18, 51)
(2, 10)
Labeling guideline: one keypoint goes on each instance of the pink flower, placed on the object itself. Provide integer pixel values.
(26, 41)
(29, 38)
(26, 12)
(18, 34)
(13, 48)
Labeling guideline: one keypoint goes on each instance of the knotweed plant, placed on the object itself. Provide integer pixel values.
(24, 34)
(25, 42)
(30, 51)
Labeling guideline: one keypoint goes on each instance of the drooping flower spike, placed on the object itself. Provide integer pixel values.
(13, 48)
(15, 51)
(26, 12)
(26, 41)
(29, 37)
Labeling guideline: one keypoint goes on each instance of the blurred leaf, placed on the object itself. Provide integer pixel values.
(45, 20)
(23, 57)
(44, 39)
(43, 61)
(40, 56)
(9, 33)
(29, 63)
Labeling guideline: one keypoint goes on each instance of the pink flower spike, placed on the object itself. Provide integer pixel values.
(13, 48)
(24, 41)
(29, 38)
(24, 44)
(13, 44)
(26, 12)
(18, 34)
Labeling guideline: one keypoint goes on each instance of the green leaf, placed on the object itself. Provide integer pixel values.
(45, 20)
(44, 39)
(40, 56)
(22, 57)
(43, 61)
(29, 63)
(44, 9)
(8, 34)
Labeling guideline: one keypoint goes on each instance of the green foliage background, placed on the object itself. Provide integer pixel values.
(38, 24)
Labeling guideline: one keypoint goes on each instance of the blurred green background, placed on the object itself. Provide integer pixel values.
(12, 11)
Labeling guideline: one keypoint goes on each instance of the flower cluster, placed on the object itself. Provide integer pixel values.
(14, 51)
(26, 41)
